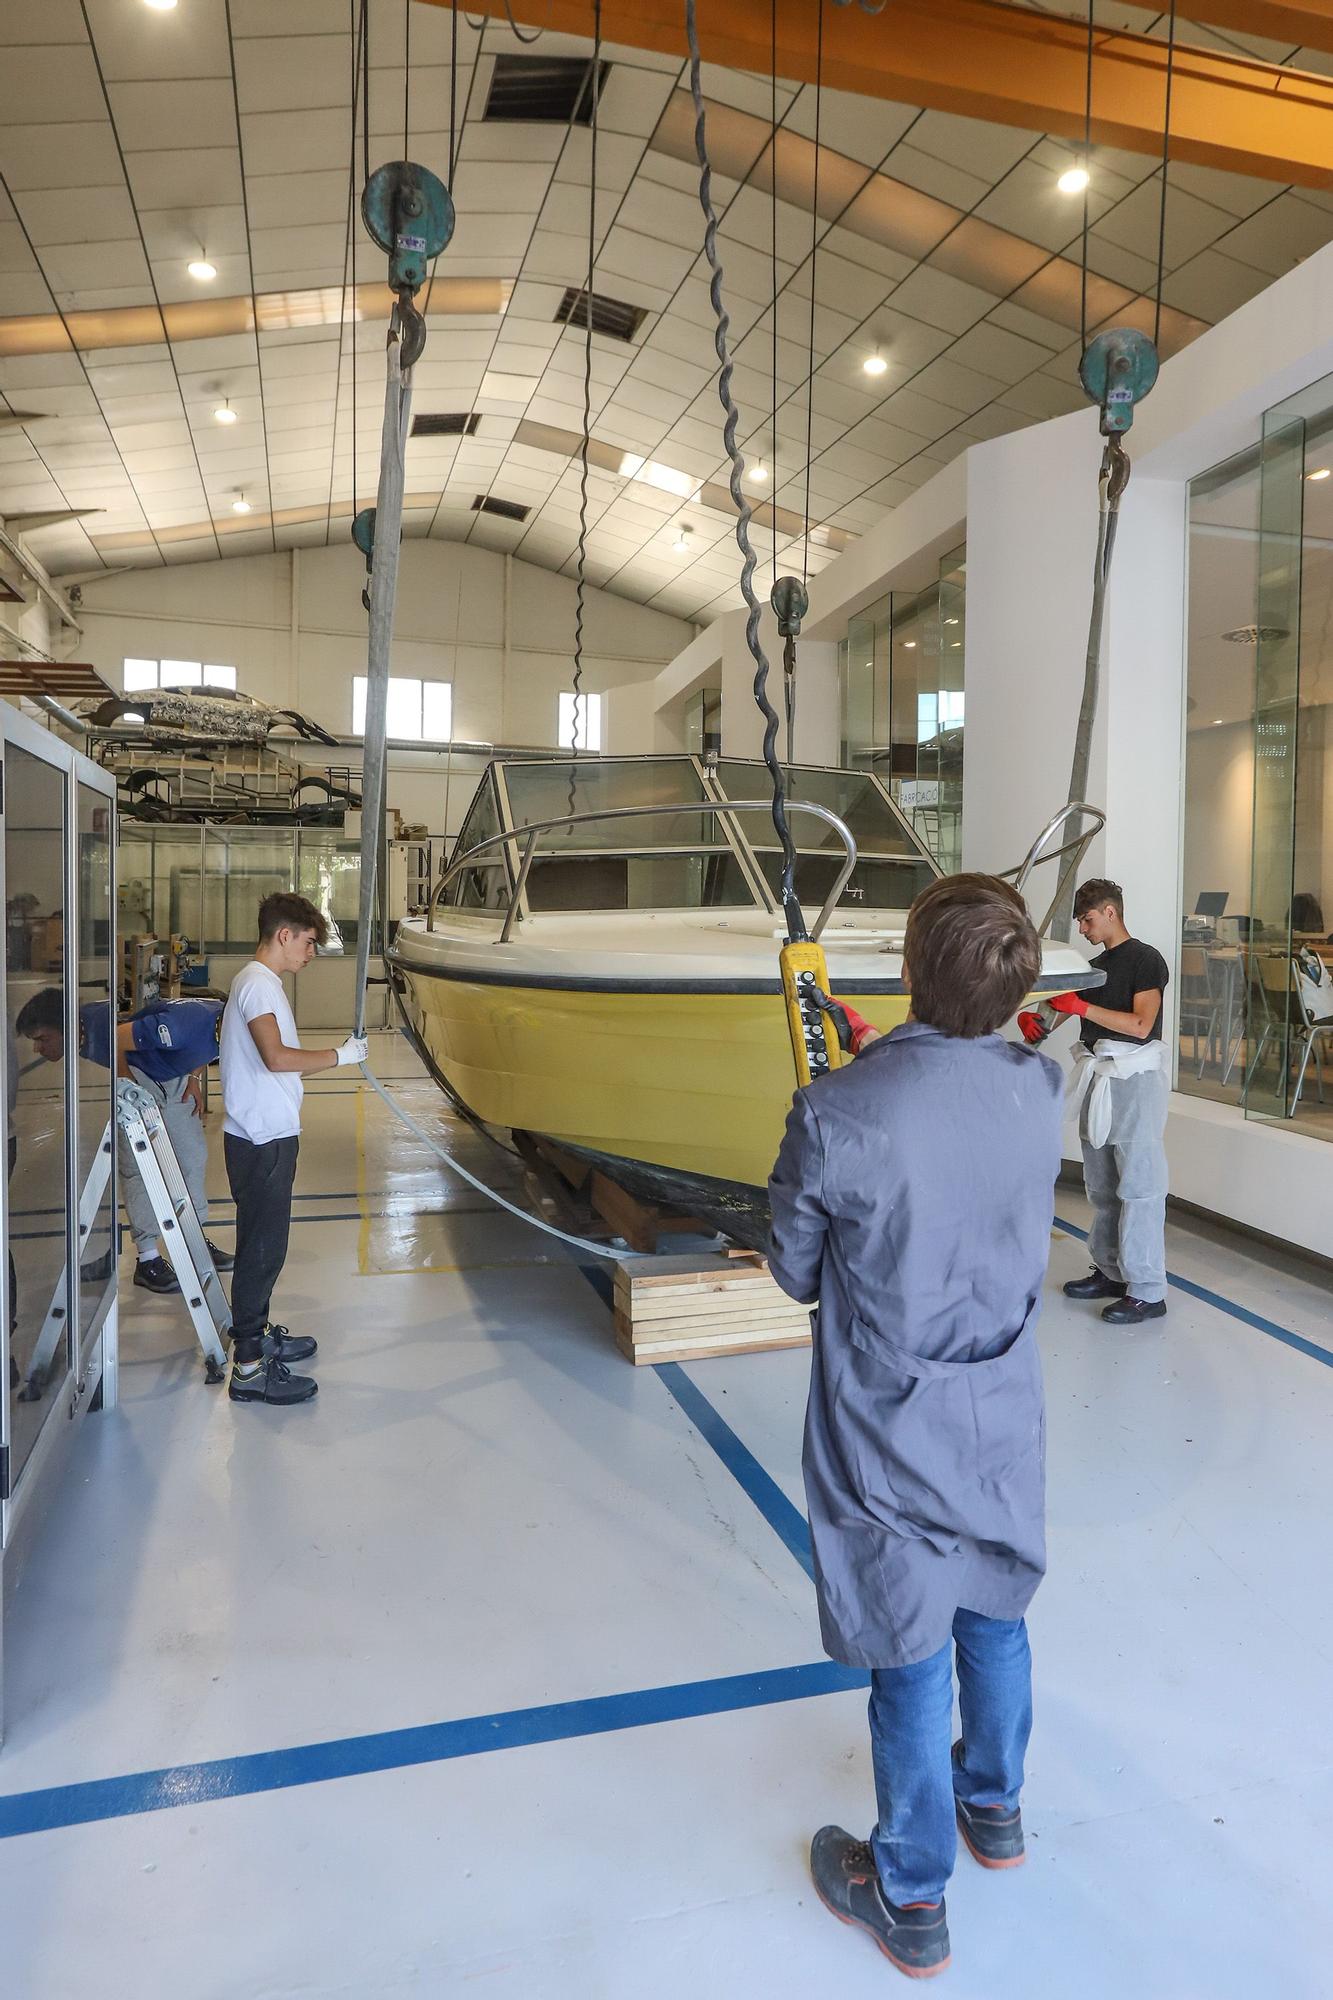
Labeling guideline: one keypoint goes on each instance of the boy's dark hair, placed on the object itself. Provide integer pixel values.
(971, 953)
(284, 910)
(45, 1010)
(1096, 894)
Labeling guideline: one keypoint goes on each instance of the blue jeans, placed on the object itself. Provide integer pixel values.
(911, 1731)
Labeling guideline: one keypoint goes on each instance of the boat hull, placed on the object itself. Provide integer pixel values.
(696, 1082)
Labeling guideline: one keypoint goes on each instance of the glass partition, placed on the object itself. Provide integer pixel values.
(329, 876)
(242, 865)
(41, 1062)
(95, 1081)
(1256, 968)
(902, 674)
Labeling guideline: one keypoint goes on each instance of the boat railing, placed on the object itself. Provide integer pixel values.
(1035, 857)
(530, 834)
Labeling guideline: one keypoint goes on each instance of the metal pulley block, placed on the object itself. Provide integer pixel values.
(1118, 369)
(409, 212)
(790, 602)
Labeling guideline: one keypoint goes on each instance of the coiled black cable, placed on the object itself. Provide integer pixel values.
(796, 928)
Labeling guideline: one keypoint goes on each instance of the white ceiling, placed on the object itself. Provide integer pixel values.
(132, 139)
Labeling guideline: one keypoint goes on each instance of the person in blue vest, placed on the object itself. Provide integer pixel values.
(164, 1048)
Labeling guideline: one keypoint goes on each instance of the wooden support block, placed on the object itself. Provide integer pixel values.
(637, 1221)
(691, 1308)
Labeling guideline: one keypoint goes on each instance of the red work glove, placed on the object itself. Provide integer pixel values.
(1033, 1029)
(853, 1029)
(1068, 1003)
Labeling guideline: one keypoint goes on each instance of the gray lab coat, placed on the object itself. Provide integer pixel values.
(913, 1197)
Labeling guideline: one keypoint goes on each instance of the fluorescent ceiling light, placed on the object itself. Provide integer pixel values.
(199, 267)
(1073, 180)
(664, 477)
(875, 364)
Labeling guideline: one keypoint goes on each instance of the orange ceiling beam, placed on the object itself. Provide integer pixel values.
(982, 59)
(1308, 24)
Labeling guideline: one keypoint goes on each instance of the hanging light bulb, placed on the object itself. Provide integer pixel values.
(759, 472)
(224, 414)
(681, 545)
(875, 364)
(200, 268)
(1073, 180)
(240, 505)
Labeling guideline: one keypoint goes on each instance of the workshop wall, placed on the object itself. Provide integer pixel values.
(501, 631)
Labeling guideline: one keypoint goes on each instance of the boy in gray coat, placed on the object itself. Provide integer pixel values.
(913, 1199)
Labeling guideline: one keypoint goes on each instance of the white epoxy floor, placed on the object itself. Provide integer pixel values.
(487, 1509)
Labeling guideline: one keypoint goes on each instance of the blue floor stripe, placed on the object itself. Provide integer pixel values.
(397, 1749)
(787, 1521)
(1297, 1341)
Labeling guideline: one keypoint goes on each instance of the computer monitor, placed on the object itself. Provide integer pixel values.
(1211, 902)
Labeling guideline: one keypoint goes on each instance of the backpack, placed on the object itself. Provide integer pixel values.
(1314, 982)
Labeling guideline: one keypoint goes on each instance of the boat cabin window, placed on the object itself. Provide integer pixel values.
(484, 885)
(892, 865)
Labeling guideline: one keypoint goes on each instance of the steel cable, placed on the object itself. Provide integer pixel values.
(791, 907)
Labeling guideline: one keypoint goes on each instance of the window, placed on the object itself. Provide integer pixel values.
(176, 674)
(419, 711)
(590, 722)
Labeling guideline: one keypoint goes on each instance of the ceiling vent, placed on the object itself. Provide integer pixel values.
(508, 510)
(609, 316)
(547, 90)
(445, 424)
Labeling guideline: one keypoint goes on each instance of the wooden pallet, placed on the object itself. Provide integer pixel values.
(690, 1308)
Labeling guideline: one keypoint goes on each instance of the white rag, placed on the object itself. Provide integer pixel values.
(1094, 1070)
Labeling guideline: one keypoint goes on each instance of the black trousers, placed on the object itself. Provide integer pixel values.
(261, 1180)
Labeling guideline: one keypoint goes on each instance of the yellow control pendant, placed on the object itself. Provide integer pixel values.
(814, 1039)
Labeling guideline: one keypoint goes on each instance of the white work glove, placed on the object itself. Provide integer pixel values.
(353, 1050)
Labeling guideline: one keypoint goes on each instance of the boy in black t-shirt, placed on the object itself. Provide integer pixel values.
(1122, 1118)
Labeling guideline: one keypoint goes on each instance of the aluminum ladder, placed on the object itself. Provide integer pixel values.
(140, 1119)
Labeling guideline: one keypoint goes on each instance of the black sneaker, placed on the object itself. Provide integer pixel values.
(279, 1345)
(992, 1834)
(1095, 1286)
(270, 1381)
(154, 1274)
(846, 1881)
(1133, 1312)
(222, 1259)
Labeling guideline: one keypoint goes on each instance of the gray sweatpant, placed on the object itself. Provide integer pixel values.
(1126, 1183)
(186, 1133)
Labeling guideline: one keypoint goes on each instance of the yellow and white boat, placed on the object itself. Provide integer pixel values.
(608, 979)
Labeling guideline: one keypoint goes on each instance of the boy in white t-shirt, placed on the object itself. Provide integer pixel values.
(262, 1063)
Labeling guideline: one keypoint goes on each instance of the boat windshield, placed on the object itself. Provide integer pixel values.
(892, 865)
(663, 861)
(686, 857)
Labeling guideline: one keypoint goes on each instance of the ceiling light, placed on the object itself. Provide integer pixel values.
(909, 643)
(682, 542)
(200, 268)
(875, 364)
(224, 414)
(241, 505)
(1073, 180)
(1217, 721)
(664, 477)
(160, 6)
(759, 472)
(1321, 473)
(951, 621)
